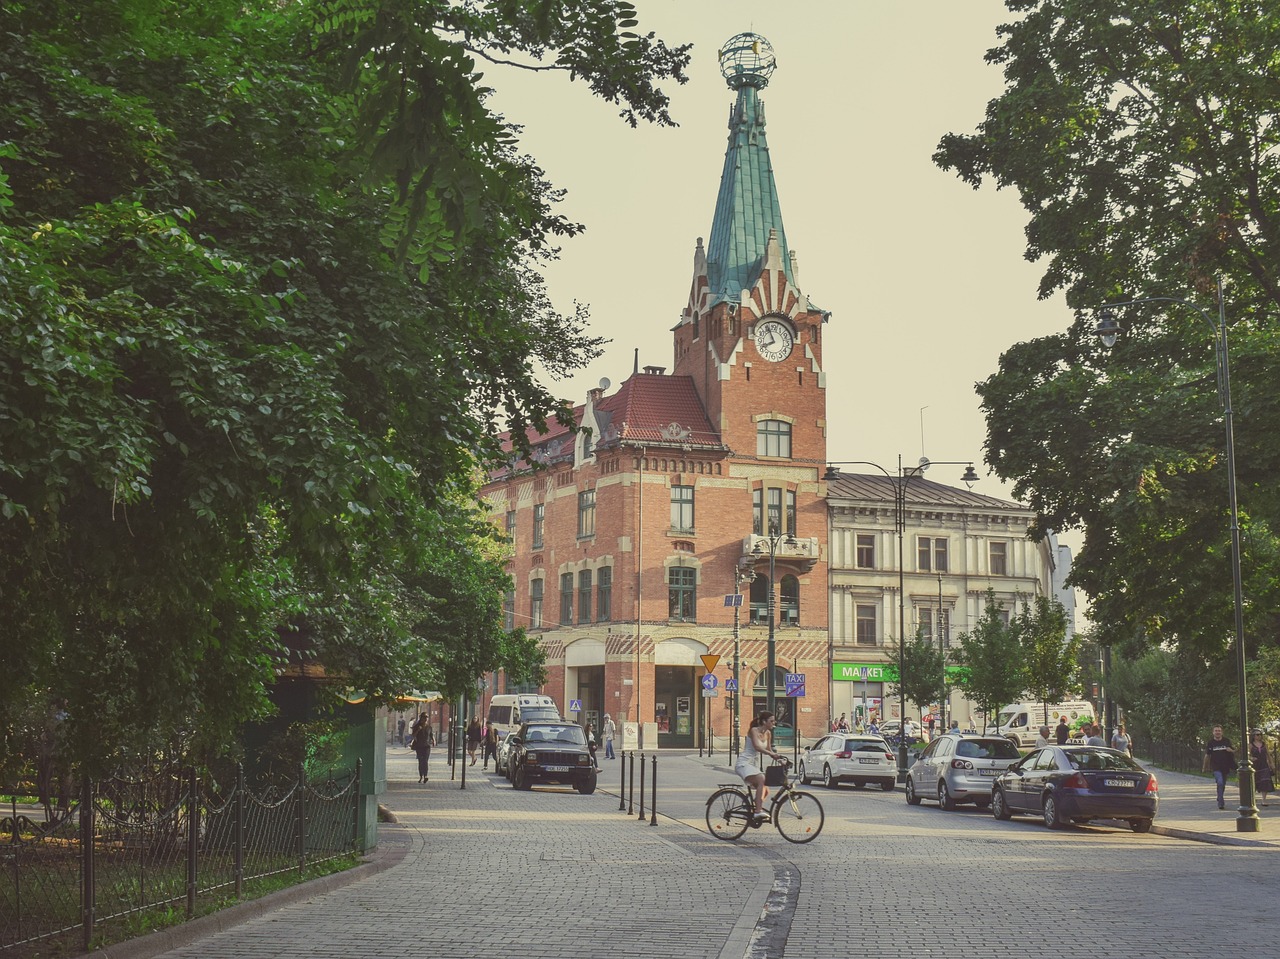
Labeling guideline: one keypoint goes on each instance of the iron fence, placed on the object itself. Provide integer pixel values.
(164, 839)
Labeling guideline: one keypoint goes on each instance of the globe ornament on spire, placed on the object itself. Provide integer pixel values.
(747, 60)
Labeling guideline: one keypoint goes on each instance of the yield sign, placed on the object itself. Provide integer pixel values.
(710, 661)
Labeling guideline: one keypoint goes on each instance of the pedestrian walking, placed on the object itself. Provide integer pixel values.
(1219, 759)
(1262, 772)
(1093, 735)
(490, 747)
(610, 730)
(475, 735)
(842, 724)
(1063, 732)
(1121, 741)
(591, 745)
(423, 739)
(1043, 738)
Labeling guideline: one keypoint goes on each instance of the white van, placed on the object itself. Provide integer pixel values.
(1020, 722)
(507, 712)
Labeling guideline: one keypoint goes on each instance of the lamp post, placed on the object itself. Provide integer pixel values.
(774, 538)
(741, 574)
(901, 480)
(1108, 330)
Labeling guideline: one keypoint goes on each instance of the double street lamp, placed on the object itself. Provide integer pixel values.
(901, 480)
(774, 539)
(1108, 330)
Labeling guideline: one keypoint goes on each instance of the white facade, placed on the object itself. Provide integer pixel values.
(956, 545)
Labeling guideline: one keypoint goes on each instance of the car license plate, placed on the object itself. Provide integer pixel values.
(556, 769)
(870, 762)
(1120, 783)
(989, 772)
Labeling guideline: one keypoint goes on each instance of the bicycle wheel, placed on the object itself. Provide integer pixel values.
(728, 814)
(798, 816)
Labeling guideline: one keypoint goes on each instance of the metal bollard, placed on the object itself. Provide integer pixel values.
(622, 786)
(631, 802)
(653, 805)
(642, 787)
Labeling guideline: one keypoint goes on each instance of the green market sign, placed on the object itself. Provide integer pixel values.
(880, 672)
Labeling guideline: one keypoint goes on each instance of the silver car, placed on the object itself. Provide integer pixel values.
(959, 769)
(850, 758)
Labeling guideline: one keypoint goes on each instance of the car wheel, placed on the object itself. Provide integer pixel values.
(827, 779)
(1050, 812)
(1000, 805)
(1140, 825)
(888, 784)
(522, 781)
(587, 787)
(804, 777)
(912, 798)
(944, 796)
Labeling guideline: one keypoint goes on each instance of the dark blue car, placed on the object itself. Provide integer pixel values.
(1065, 784)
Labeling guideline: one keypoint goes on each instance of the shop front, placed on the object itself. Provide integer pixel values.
(677, 697)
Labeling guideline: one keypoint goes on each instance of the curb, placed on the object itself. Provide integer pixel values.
(165, 940)
(1207, 837)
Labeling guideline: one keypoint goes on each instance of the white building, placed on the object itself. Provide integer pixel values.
(957, 544)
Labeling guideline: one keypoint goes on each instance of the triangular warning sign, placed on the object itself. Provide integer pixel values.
(710, 661)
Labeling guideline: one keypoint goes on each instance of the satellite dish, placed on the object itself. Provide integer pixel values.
(604, 383)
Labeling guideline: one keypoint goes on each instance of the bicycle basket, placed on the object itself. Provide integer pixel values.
(775, 775)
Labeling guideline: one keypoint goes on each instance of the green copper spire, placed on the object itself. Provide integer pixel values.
(747, 206)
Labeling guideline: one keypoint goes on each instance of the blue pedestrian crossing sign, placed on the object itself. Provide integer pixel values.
(731, 684)
(575, 705)
(709, 681)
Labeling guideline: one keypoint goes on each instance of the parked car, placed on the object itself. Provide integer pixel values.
(851, 758)
(502, 764)
(551, 752)
(1077, 784)
(956, 769)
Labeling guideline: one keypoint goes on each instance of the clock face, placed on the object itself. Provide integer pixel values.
(773, 340)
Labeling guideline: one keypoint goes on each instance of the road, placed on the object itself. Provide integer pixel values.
(550, 874)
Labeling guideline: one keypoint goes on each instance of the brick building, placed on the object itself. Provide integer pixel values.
(630, 536)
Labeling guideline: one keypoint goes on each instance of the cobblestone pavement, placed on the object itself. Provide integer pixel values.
(550, 874)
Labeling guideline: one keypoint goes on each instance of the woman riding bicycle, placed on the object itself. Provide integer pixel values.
(748, 765)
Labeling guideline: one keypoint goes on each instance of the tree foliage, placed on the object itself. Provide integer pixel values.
(269, 291)
(993, 673)
(1048, 655)
(1143, 142)
(923, 682)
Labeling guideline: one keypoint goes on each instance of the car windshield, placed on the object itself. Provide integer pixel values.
(987, 749)
(1005, 717)
(539, 712)
(865, 745)
(547, 733)
(1101, 759)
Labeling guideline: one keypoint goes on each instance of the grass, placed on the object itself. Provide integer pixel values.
(135, 924)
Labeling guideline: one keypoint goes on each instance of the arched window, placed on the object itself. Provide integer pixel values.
(789, 601)
(773, 438)
(760, 599)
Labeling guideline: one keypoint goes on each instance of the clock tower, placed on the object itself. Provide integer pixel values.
(749, 337)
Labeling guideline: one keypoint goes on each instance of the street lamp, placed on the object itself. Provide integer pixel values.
(901, 480)
(1108, 330)
(774, 538)
(741, 574)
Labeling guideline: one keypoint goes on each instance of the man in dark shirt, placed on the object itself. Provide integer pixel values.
(1063, 731)
(1219, 759)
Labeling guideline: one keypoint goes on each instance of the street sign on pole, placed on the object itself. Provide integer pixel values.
(709, 681)
(731, 685)
(710, 693)
(709, 661)
(794, 684)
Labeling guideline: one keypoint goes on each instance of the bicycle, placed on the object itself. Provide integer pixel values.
(797, 815)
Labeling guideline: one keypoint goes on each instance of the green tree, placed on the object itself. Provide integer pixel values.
(923, 681)
(1141, 138)
(1048, 656)
(994, 673)
(269, 290)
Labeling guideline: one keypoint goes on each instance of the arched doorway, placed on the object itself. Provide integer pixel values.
(677, 697)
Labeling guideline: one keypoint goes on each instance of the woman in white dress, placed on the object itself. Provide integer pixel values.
(748, 765)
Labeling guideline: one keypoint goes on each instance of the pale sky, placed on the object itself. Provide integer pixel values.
(924, 277)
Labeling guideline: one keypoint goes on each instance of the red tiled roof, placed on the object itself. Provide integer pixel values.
(655, 408)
